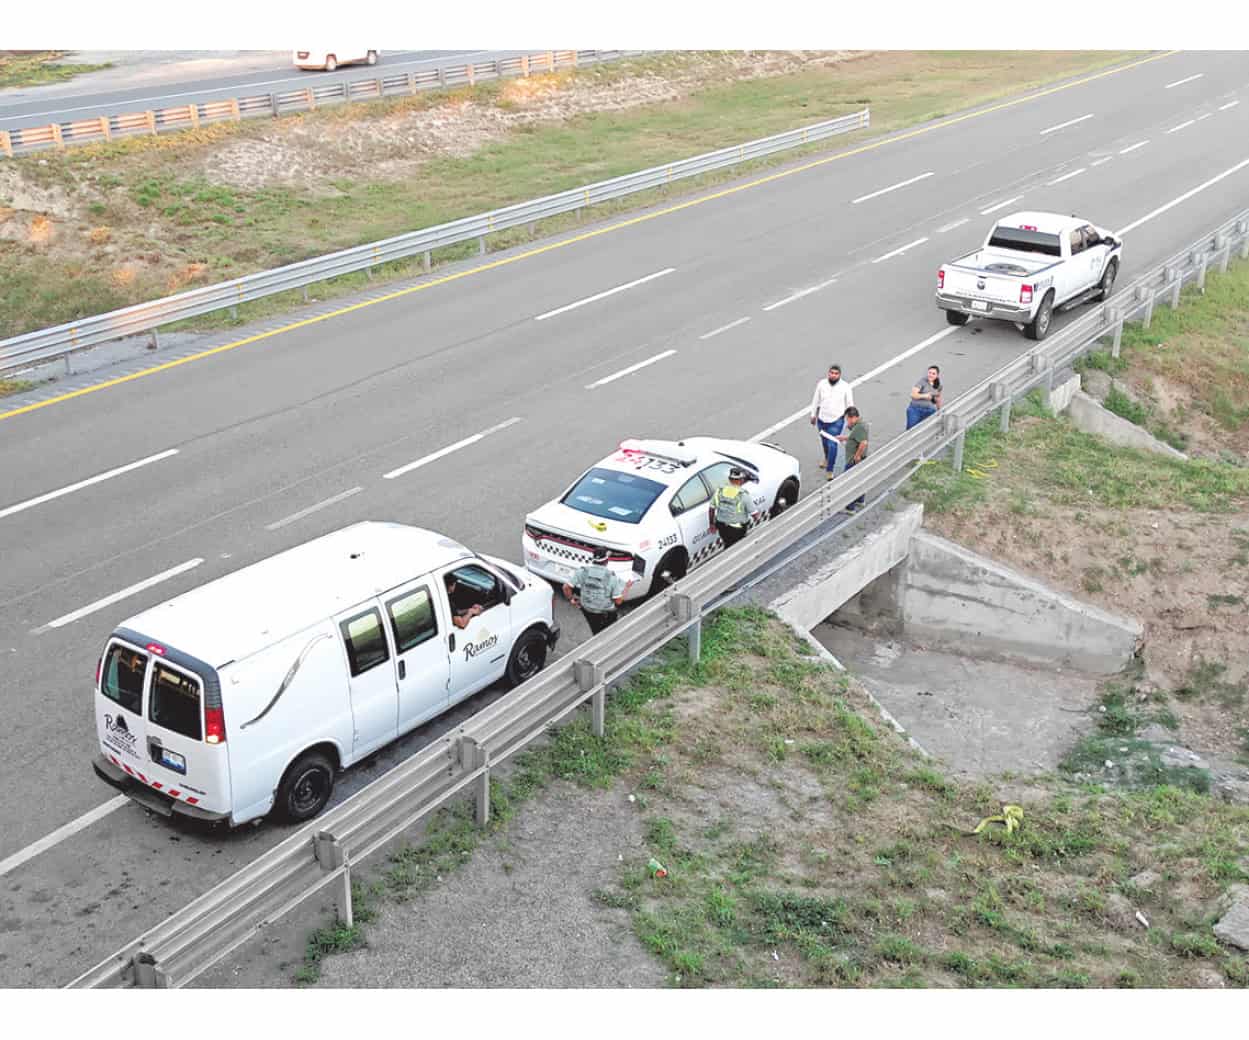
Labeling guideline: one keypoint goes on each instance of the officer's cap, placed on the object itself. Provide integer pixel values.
(600, 554)
(737, 474)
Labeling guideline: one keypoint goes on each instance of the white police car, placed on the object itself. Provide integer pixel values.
(649, 503)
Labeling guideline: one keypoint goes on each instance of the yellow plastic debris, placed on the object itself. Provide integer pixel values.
(1011, 818)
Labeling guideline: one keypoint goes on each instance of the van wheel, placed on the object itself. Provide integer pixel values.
(527, 657)
(785, 497)
(957, 317)
(306, 787)
(331, 63)
(1038, 328)
(372, 58)
(671, 568)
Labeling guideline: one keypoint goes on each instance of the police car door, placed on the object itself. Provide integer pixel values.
(478, 652)
(691, 506)
(422, 667)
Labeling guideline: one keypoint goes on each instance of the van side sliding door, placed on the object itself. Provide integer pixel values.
(421, 666)
(374, 694)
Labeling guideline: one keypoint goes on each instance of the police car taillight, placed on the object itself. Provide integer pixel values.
(639, 565)
(1025, 294)
(214, 726)
(940, 279)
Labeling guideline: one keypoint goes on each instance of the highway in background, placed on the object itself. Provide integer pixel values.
(713, 315)
(131, 89)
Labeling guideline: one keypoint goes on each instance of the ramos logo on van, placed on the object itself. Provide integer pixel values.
(471, 650)
(118, 733)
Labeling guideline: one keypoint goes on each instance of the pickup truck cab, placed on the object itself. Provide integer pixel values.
(1030, 265)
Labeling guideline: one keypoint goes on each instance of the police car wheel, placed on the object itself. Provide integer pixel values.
(671, 568)
(306, 787)
(785, 497)
(527, 658)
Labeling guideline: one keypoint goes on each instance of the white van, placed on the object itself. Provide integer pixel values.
(247, 694)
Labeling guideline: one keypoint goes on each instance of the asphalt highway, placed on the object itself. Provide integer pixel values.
(89, 97)
(715, 314)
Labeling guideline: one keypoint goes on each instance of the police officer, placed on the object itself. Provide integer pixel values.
(733, 508)
(598, 591)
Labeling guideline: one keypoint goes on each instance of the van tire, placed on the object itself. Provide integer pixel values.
(528, 657)
(957, 317)
(305, 788)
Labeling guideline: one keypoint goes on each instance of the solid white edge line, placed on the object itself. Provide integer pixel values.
(599, 296)
(1183, 198)
(725, 328)
(1180, 82)
(998, 205)
(1187, 122)
(1065, 177)
(11, 863)
(1069, 122)
(85, 483)
(433, 456)
(312, 509)
(892, 187)
(1230, 104)
(108, 601)
(861, 380)
(951, 227)
(1133, 147)
(901, 249)
(630, 370)
(799, 295)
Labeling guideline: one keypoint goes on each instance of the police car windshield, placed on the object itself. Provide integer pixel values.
(613, 495)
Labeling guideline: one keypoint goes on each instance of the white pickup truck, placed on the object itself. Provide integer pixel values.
(1030, 265)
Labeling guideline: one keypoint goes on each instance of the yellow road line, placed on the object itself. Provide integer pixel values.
(570, 241)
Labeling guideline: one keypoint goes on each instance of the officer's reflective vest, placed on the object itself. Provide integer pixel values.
(732, 505)
(596, 588)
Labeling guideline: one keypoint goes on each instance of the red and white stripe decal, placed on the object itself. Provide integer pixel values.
(172, 792)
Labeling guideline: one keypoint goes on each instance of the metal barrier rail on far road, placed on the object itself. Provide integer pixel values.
(21, 353)
(324, 852)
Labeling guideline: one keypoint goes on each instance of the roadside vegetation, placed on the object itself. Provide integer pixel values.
(36, 68)
(806, 844)
(102, 226)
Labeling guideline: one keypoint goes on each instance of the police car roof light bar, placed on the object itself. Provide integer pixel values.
(657, 450)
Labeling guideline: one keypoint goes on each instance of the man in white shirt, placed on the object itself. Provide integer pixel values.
(828, 409)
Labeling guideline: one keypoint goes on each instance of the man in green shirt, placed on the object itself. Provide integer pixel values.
(598, 591)
(855, 440)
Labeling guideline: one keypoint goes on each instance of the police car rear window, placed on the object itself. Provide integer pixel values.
(613, 495)
(1025, 241)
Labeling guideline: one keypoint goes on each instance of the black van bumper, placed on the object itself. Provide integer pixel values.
(149, 797)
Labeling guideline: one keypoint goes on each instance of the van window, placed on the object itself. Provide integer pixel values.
(175, 703)
(472, 586)
(412, 619)
(121, 678)
(366, 642)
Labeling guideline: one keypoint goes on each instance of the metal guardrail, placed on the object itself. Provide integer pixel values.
(194, 114)
(322, 853)
(34, 348)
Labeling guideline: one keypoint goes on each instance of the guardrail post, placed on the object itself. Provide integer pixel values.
(332, 855)
(6, 142)
(1201, 273)
(481, 245)
(150, 116)
(234, 109)
(1000, 393)
(1149, 309)
(148, 974)
(524, 64)
(273, 104)
(105, 129)
(427, 261)
(1221, 243)
(472, 757)
(683, 609)
(950, 424)
(56, 135)
(1117, 342)
(1243, 229)
(1173, 273)
(589, 676)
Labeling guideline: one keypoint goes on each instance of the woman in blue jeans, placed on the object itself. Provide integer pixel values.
(925, 397)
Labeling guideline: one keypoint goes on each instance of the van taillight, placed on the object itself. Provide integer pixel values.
(940, 279)
(1025, 294)
(214, 726)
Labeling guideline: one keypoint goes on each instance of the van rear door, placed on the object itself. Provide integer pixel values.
(166, 731)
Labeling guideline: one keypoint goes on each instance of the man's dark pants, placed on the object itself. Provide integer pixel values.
(599, 619)
(731, 534)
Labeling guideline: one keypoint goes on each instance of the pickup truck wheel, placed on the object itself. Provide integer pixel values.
(527, 658)
(1039, 327)
(1108, 280)
(306, 787)
(331, 63)
(957, 317)
(372, 58)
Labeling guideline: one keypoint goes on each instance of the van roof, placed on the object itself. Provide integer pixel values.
(232, 617)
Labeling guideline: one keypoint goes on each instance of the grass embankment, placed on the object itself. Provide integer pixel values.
(36, 68)
(140, 218)
(806, 844)
(1186, 377)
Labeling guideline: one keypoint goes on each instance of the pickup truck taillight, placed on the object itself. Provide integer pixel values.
(1025, 294)
(940, 278)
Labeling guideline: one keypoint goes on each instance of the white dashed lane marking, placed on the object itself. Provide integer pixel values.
(1186, 79)
(1069, 122)
(630, 370)
(116, 597)
(892, 187)
(425, 460)
(901, 249)
(603, 295)
(86, 483)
